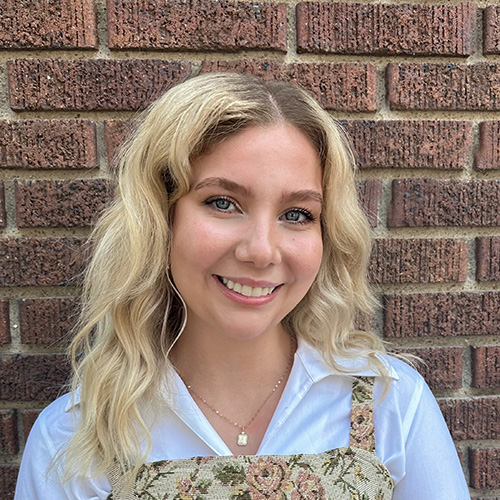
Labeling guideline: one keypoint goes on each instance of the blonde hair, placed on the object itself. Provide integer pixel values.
(130, 314)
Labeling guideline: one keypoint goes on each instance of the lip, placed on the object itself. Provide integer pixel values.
(251, 282)
(242, 299)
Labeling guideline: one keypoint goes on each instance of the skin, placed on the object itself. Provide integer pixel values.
(252, 216)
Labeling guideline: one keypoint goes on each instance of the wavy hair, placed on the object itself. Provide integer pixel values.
(130, 314)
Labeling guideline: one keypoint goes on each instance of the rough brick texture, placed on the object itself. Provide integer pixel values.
(485, 468)
(431, 203)
(440, 86)
(32, 377)
(488, 154)
(51, 24)
(40, 261)
(203, 25)
(369, 193)
(8, 478)
(97, 84)
(3, 218)
(48, 144)
(29, 417)
(441, 367)
(339, 86)
(441, 314)
(475, 418)
(379, 29)
(60, 203)
(491, 30)
(488, 259)
(418, 261)
(486, 366)
(411, 144)
(116, 133)
(47, 321)
(4, 322)
(9, 441)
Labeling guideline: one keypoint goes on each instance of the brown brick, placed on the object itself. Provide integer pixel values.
(40, 261)
(9, 440)
(8, 478)
(50, 24)
(431, 202)
(4, 322)
(488, 154)
(369, 193)
(491, 30)
(202, 25)
(475, 418)
(29, 417)
(411, 144)
(441, 314)
(96, 84)
(486, 366)
(441, 367)
(116, 133)
(440, 86)
(32, 377)
(3, 219)
(379, 29)
(484, 465)
(47, 321)
(60, 203)
(339, 86)
(488, 259)
(418, 261)
(48, 144)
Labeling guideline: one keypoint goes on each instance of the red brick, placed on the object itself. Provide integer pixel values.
(40, 261)
(486, 366)
(9, 440)
(32, 377)
(418, 261)
(411, 144)
(3, 219)
(488, 154)
(488, 258)
(431, 203)
(441, 314)
(50, 24)
(491, 30)
(440, 86)
(47, 321)
(95, 84)
(441, 367)
(484, 465)
(202, 25)
(379, 29)
(339, 86)
(4, 322)
(48, 144)
(475, 418)
(29, 417)
(370, 193)
(116, 133)
(60, 203)
(8, 478)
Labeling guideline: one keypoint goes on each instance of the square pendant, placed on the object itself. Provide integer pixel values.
(242, 439)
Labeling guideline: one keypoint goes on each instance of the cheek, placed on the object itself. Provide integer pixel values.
(307, 258)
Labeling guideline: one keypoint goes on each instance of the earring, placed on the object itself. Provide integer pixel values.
(184, 311)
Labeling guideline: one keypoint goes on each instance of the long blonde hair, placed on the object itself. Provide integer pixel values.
(130, 314)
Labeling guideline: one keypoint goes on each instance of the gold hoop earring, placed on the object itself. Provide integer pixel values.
(184, 311)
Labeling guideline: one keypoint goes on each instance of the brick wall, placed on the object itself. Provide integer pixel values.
(416, 85)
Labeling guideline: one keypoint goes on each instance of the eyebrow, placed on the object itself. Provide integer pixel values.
(301, 195)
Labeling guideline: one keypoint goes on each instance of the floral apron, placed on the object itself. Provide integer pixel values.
(352, 473)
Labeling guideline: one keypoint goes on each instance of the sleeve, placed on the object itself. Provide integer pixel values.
(432, 468)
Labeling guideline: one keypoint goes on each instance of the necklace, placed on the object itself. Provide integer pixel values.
(243, 436)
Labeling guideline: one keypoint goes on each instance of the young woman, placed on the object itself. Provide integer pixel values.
(217, 355)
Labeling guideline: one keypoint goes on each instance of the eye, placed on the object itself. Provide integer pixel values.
(298, 216)
(221, 204)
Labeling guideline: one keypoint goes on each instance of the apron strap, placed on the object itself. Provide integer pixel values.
(362, 433)
(118, 491)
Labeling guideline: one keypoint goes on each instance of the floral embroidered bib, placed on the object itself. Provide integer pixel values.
(351, 473)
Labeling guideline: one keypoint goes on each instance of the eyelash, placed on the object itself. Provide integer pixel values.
(309, 216)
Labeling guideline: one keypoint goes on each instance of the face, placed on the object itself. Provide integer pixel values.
(247, 237)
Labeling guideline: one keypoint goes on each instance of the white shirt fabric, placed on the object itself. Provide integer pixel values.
(313, 416)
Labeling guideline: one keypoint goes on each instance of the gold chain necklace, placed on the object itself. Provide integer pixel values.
(243, 436)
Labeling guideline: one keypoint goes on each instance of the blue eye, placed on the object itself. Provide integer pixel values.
(298, 216)
(222, 204)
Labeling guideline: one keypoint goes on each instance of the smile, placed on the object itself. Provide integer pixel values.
(246, 290)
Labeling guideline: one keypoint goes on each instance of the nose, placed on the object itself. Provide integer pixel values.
(260, 244)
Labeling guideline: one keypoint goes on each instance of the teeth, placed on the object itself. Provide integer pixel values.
(246, 290)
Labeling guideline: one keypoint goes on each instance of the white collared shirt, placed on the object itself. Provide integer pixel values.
(313, 416)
